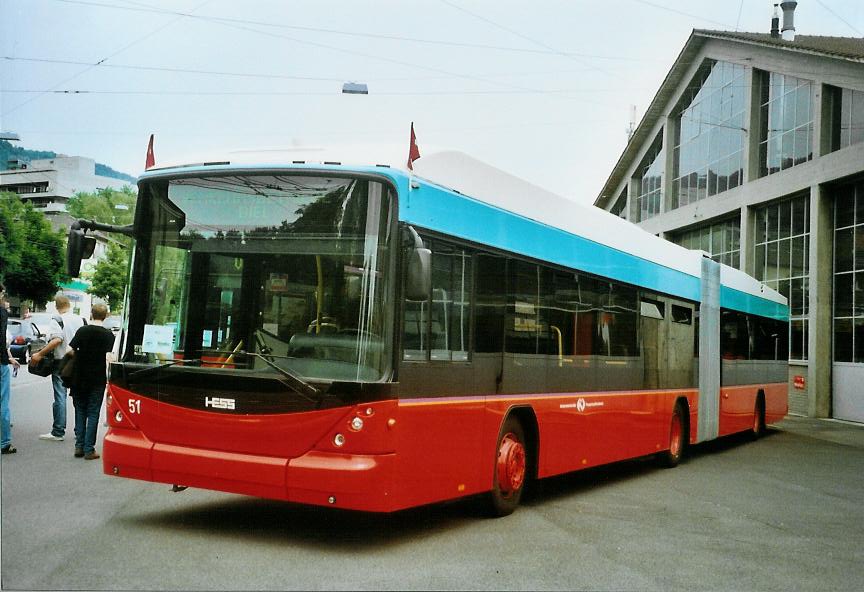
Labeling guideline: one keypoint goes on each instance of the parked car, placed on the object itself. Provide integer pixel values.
(20, 335)
(114, 322)
(41, 322)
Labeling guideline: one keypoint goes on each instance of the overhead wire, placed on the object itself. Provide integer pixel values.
(847, 23)
(380, 36)
(174, 70)
(517, 34)
(106, 58)
(698, 17)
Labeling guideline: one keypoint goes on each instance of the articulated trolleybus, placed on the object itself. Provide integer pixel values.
(363, 336)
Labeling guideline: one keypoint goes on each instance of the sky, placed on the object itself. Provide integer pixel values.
(544, 90)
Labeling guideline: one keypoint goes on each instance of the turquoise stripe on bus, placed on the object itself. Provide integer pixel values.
(454, 214)
(736, 300)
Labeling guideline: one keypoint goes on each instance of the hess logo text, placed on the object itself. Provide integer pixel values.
(219, 403)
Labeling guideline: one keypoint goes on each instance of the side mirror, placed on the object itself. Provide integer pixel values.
(418, 277)
(78, 247)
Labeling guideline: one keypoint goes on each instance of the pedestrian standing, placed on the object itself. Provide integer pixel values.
(6, 360)
(92, 345)
(62, 329)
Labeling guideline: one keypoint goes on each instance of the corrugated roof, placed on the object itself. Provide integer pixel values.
(844, 47)
(848, 48)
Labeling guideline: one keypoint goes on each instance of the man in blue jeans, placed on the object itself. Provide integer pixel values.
(92, 345)
(7, 360)
(63, 328)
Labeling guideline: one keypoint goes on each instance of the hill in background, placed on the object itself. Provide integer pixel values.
(9, 152)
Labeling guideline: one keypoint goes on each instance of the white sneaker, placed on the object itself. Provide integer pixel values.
(51, 437)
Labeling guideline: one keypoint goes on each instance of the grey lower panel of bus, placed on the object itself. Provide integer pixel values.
(735, 372)
(709, 352)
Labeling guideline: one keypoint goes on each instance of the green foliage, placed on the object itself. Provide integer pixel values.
(11, 233)
(109, 206)
(109, 277)
(109, 274)
(31, 254)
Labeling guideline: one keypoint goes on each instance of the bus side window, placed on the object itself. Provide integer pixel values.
(450, 311)
(734, 336)
(618, 320)
(560, 311)
(490, 308)
(415, 325)
(438, 328)
(523, 318)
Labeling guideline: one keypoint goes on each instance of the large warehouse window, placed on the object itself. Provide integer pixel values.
(849, 274)
(781, 236)
(710, 135)
(787, 122)
(722, 241)
(620, 207)
(650, 197)
(847, 117)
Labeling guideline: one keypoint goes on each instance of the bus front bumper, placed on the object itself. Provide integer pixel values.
(348, 481)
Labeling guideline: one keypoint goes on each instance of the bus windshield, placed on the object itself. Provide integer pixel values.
(241, 272)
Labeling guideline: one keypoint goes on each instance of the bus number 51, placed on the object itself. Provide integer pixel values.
(135, 406)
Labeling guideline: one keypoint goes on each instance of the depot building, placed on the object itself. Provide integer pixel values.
(753, 151)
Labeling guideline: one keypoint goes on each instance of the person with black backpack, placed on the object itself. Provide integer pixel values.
(64, 325)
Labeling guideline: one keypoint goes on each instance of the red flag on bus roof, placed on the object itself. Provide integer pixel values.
(150, 162)
(413, 150)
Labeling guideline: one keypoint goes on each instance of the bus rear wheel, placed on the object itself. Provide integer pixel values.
(677, 439)
(511, 469)
(758, 429)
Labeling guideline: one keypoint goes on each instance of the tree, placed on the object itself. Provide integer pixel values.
(109, 206)
(31, 254)
(11, 234)
(109, 277)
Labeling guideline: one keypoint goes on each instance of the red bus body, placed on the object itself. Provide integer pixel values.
(409, 452)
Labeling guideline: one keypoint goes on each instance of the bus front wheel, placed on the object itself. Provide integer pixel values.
(511, 468)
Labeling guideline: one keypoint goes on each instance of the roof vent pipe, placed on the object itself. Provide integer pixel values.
(775, 24)
(788, 9)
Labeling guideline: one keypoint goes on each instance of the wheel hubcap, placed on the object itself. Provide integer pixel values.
(511, 465)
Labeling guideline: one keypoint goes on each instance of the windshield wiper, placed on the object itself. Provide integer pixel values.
(293, 380)
(156, 369)
(298, 384)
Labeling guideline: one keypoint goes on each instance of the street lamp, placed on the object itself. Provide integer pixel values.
(355, 88)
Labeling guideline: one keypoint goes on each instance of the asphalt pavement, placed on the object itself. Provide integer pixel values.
(782, 513)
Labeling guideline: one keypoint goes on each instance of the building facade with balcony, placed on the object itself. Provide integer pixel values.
(49, 183)
(753, 151)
